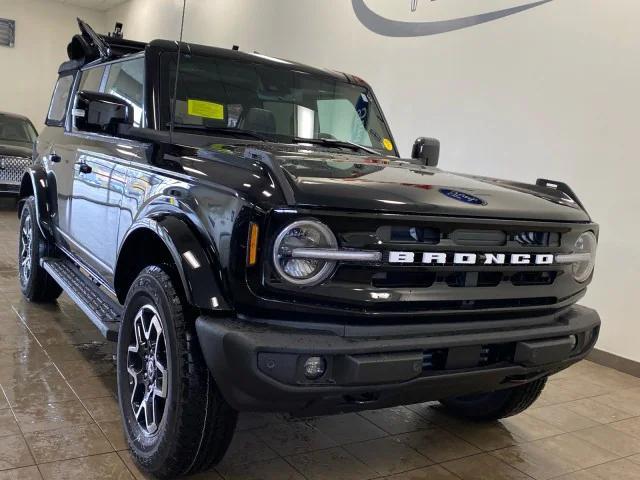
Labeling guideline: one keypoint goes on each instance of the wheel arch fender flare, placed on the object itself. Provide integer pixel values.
(198, 268)
(34, 182)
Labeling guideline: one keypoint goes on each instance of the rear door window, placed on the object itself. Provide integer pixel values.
(92, 79)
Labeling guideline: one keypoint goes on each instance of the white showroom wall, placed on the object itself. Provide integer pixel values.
(549, 92)
(29, 70)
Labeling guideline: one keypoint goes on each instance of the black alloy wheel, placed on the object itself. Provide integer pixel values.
(175, 419)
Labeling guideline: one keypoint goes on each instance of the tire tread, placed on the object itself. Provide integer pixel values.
(41, 288)
(498, 404)
(200, 441)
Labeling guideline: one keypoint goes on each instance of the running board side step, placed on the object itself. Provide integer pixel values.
(104, 312)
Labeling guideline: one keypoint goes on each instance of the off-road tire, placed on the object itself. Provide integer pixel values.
(197, 424)
(36, 285)
(498, 404)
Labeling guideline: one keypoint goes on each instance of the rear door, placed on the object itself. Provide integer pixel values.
(57, 154)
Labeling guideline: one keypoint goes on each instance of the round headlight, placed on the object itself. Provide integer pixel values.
(586, 243)
(303, 234)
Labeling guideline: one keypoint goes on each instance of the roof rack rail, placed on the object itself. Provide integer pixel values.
(121, 47)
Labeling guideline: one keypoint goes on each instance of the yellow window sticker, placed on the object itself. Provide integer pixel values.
(201, 108)
(387, 144)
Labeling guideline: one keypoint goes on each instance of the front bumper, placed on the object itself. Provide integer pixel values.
(9, 189)
(259, 366)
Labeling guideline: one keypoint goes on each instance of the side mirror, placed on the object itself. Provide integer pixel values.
(101, 112)
(426, 150)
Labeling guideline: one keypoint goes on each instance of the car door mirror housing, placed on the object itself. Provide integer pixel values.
(427, 150)
(101, 112)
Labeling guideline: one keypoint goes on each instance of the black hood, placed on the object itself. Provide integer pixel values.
(13, 150)
(312, 177)
(327, 179)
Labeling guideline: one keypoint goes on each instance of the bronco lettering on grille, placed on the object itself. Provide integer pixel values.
(429, 258)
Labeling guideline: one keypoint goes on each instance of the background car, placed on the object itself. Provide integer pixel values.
(17, 136)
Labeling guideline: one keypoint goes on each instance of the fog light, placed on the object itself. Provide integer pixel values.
(574, 342)
(314, 367)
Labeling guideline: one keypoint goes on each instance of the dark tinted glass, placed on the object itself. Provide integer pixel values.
(61, 93)
(92, 79)
(16, 130)
(126, 80)
(277, 102)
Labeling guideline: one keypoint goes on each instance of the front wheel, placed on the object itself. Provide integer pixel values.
(175, 418)
(36, 284)
(498, 404)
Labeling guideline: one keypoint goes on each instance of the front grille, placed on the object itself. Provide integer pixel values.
(384, 278)
(476, 291)
(12, 169)
(413, 234)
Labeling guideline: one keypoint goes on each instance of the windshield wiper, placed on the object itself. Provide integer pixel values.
(332, 142)
(233, 132)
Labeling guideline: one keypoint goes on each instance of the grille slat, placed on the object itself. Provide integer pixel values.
(420, 235)
(452, 277)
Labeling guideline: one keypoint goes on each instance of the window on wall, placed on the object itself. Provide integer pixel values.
(126, 80)
(7, 32)
(58, 107)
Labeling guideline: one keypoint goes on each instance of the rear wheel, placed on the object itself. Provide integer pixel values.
(175, 418)
(36, 284)
(498, 404)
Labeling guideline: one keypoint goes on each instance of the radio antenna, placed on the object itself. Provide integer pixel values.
(175, 86)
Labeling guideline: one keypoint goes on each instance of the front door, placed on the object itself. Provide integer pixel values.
(98, 184)
(100, 170)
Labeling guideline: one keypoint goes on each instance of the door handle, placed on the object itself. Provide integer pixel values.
(84, 168)
(55, 158)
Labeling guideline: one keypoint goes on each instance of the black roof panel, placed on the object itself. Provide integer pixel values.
(208, 51)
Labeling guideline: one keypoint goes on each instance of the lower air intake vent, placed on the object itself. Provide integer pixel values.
(533, 278)
(403, 279)
(463, 358)
(474, 279)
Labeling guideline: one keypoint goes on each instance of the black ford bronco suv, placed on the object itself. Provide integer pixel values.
(245, 229)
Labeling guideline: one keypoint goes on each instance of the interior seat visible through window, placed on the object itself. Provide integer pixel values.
(259, 120)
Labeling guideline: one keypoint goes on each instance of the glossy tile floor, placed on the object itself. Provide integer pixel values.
(59, 418)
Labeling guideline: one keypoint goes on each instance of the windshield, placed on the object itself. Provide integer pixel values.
(277, 103)
(16, 130)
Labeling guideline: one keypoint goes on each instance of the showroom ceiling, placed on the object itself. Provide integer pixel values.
(96, 4)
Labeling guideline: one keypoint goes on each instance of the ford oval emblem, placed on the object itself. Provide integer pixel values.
(462, 197)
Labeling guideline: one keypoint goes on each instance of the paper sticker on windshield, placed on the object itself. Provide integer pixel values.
(386, 143)
(200, 108)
